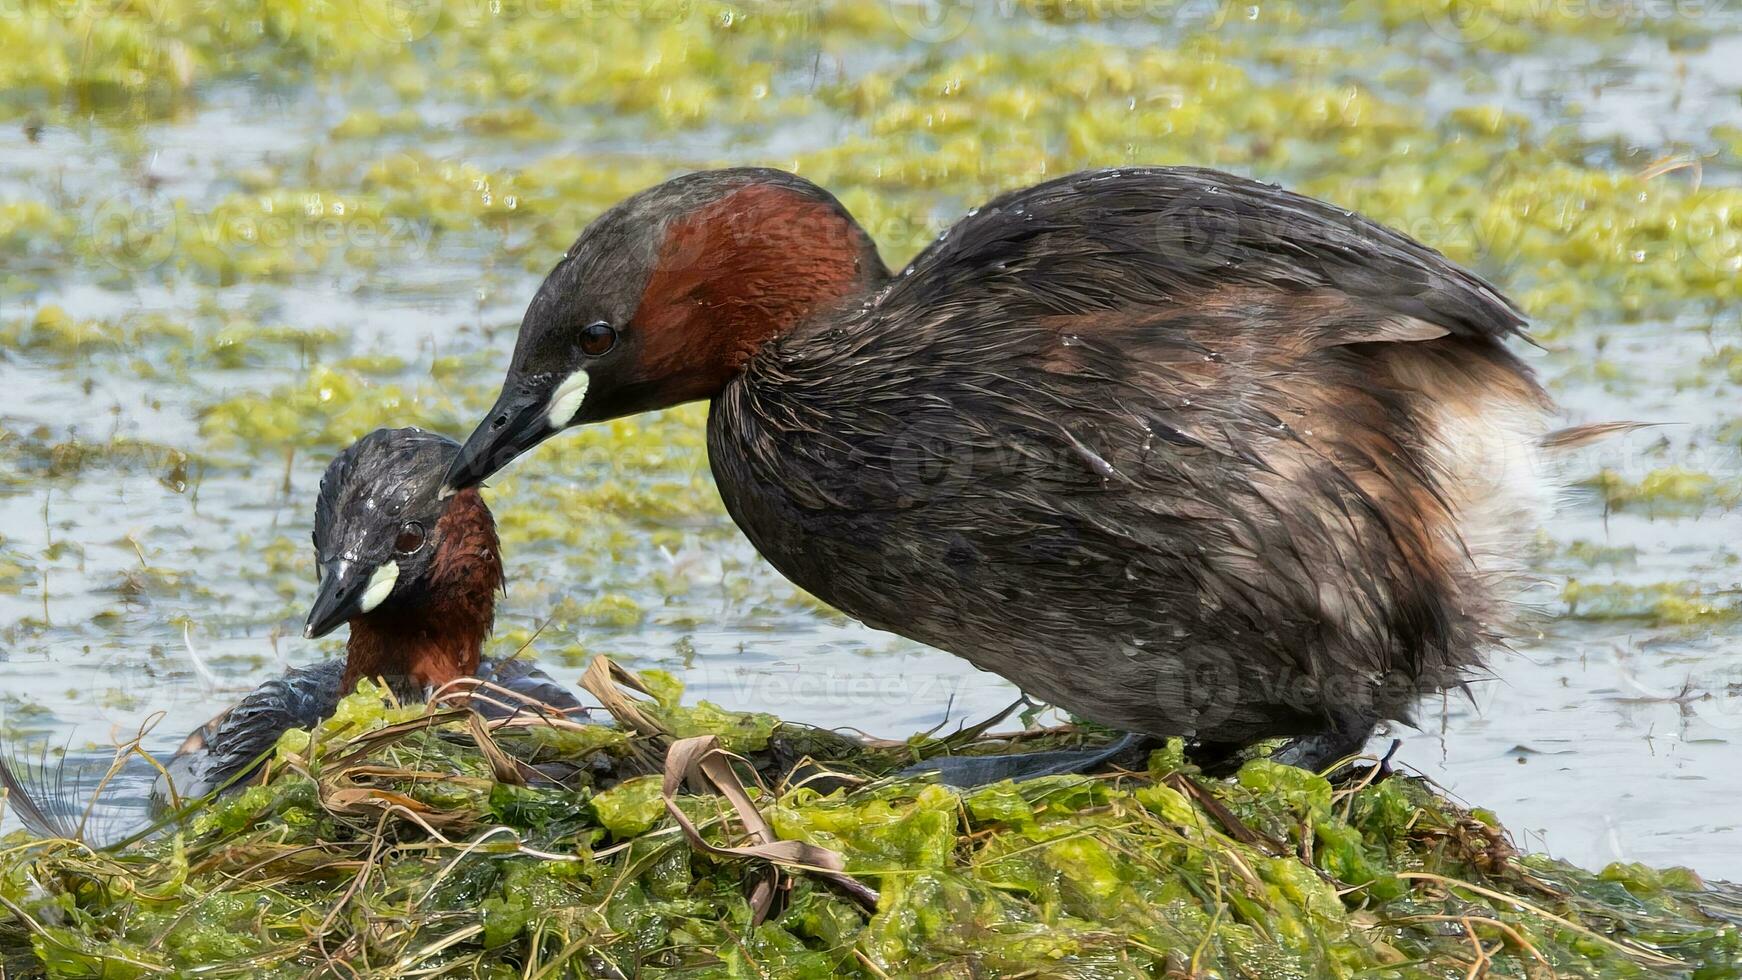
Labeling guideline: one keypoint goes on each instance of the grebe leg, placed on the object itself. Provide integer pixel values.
(967, 771)
(1347, 735)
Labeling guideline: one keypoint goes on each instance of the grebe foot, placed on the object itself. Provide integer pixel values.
(968, 771)
(1217, 758)
(1347, 736)
(1384, 766)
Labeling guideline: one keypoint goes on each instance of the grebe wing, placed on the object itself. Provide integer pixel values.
(233, 742)
(524, 677)
(1138, 237)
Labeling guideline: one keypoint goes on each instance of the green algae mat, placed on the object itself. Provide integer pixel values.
(414, 842)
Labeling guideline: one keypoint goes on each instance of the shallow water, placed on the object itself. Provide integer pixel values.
(132, 589)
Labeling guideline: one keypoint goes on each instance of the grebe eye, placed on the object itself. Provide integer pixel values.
(410, 538)
(597, 338)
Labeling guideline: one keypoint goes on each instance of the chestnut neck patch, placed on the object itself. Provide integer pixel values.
(737, 272)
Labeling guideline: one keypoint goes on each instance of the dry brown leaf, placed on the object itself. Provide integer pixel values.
(704, 762)
(504, 767)
(605, 680)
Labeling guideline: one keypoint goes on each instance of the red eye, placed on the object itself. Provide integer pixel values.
(597, 338)
(410, 538)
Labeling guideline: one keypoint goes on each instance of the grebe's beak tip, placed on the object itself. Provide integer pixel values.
(336, 601)
(518, 422)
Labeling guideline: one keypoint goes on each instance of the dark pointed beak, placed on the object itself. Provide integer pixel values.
(341, 589)
(517, 423)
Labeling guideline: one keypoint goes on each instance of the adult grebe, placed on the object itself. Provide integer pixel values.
(1180, 452)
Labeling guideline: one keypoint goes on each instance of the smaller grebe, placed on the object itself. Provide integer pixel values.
(414, 575)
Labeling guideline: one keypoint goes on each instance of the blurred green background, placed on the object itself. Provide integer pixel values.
(235, 236)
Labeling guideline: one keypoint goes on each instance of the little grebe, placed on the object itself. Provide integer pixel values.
(1180, 452)
(415, 575)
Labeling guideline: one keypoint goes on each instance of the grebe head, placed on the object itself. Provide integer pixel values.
(663, 300)
(379, 526)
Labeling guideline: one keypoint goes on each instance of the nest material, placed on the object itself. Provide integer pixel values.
(396, 842)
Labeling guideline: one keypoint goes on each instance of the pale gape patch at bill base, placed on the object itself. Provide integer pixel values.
(380, 584)
(566, 400)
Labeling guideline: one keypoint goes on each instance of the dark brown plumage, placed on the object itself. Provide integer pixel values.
(1180, 452)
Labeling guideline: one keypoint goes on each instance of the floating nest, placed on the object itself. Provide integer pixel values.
(694, 841)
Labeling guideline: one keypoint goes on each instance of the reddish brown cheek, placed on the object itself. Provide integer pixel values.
(735, 273)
